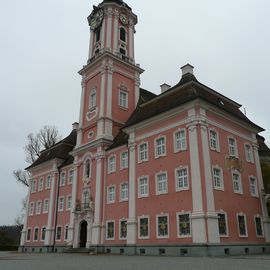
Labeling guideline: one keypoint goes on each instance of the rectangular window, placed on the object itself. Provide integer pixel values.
(70, 176)
(143, 187)
(222, 224)
(92, 100)
(249, 154)
(161, 183)
(69, 199)
(66, 232)
(111, 164)
(46, 206)
(58, 233)
(43, 233)
(48, 182)
(237, 186)
(232, 147)
(184, 227)
(111, 194)
(143, 152)
(218, 178)
(258, 226)
(35, 234)
(61, 204)
(180, 143)
(124, 160)
(124, 192)
(31, 209)
(38, 207)
(28, 236)
(62, 179)
(214, 141)
(242, 225)
(123, 99)
(143, 227)
(123, 229)
(253, 186)
(33, 186)
(160, 147)
(110, 230)
(162, 227)
(182, 179)
(40, 186)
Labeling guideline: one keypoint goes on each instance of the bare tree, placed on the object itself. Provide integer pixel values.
(44, 139)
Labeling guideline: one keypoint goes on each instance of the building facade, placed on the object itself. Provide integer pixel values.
(176, 173)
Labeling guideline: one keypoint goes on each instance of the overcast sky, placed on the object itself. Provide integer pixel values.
(44, 43)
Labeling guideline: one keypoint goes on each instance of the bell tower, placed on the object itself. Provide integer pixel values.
(110, 79)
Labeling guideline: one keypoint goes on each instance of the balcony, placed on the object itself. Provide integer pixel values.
(83, 207)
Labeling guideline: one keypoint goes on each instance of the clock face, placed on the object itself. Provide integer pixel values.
(96, 19)
(123, 19)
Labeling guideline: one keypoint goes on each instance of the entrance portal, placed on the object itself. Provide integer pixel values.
(83, 234)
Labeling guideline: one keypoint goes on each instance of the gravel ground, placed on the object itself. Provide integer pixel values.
(19, 261)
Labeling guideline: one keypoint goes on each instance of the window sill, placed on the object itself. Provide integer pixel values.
(160, 156)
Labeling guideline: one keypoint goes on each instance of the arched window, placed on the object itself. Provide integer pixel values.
(87, 168)
(122, 34)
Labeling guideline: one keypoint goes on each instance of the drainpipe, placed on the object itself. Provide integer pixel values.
(56, 209)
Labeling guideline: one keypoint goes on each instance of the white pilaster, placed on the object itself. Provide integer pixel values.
(109, 90)
(73, 204)
(89, 234)
(96, 228)
(132, 222)
(211, 215)
(131, 40)
(103, 35)
(115, 32)
(49, 227)
(109, 29)
(79, 132)
(266, 220)
(137, 88)
(90, 53)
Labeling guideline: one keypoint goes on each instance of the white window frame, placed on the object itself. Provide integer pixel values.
(177, 222)
(156, 177)
(44, 204)
(110, 221)
(221, 212)
(71, 176)
(140, 195)
(31, 208)
(40, 184)
(183, 146)
(109, 201)
(240, 191)
(41, 239)
(168, 226)
(36, 240)
(48, 182)
(38, 207)
(255, 225)
(217, 148)
(120, 193)
(139, 218)
(163, 145)
(62, 179)
(177, 188)
(121, 220)
(66, 232)
(34, 186)
(124, 160)
(111, 166)
(93, 99)
(145, 152)
(61, 209)
(221, 187)
(235, 147)
(61, 235)
(27, 230)
(256, 194)
(90, 167)
(249, 155)
(246, 235)
(68, 201)
(123, 103)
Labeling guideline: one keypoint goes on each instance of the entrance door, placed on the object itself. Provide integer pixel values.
(83, 234)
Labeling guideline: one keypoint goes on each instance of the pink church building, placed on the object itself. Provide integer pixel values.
(176, 173)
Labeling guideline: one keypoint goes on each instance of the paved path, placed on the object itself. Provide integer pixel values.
(18, 261)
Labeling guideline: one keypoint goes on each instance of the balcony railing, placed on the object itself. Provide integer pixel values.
(84, 207)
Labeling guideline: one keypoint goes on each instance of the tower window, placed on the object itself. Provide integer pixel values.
(122, 51)
(123, 35)
(98, 35)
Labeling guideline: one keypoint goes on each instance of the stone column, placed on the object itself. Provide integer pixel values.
(115, 31)
(131, 39)
(132, 222)
(211, 215)
(109, 29)
(89, 234)
(266, 220)
(91, 42)
(79, 131)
